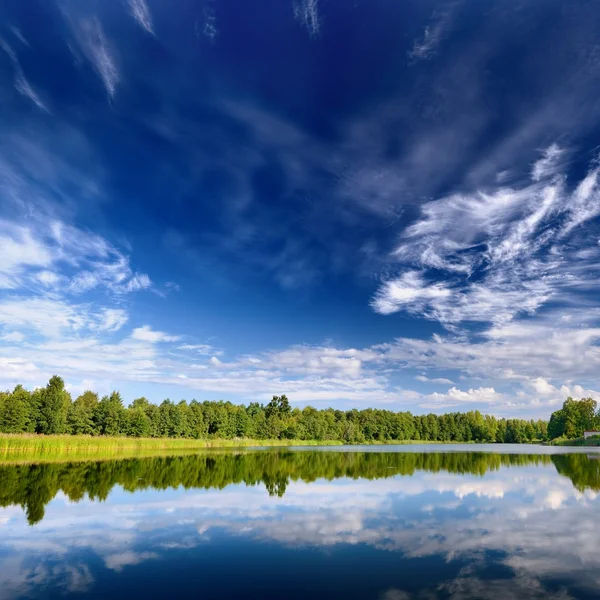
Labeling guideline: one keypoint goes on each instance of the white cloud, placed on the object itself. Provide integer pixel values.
(60, 256)
(13, 336)
(98, 51)
(505, 252)
(307, 12)
(19, 250)
(409, 290)
(200, 349)
(112, 319)
(117, 562)
(541, 386)
(141, 13)
(210, 29)
(139, 281)
(484, 395)
(54, 318)
(439, 380)
(426, 47)
(146, 334)
(22, 85)
(48, 278)
(548, 165)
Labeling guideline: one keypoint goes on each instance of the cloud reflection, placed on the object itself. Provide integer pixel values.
(529, 520)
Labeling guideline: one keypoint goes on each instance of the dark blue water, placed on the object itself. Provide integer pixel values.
(311, 524)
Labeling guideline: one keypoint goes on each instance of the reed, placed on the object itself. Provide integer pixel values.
(19, 446)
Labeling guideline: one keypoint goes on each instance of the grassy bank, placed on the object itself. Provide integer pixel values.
(22, 446)
(31, 447)
(590, 442)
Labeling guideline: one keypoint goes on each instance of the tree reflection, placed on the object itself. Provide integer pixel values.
(34, 486)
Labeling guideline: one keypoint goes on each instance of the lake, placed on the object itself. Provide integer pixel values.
(382, 523)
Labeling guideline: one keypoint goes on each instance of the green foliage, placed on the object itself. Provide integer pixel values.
(15, 416)
(139, 424)
(575, 417)
(50, 411)
(80, 417)
(109, 416)
(54, 406)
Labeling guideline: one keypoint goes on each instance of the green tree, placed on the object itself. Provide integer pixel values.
(197, 424)
(15, 416)
(109, 415)
(138, 423)
(279, 407)
(151, 411)
(575, 417)
(80, 418)
(54, 406)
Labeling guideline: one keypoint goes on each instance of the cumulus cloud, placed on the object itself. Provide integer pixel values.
(479, 395)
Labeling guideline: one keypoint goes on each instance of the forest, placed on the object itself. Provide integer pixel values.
(51, 410)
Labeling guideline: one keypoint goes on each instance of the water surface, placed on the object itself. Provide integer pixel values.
(387, 524)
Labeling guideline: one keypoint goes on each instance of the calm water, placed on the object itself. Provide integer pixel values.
(389, 524)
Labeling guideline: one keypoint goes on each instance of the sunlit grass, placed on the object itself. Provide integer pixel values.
(23, 446)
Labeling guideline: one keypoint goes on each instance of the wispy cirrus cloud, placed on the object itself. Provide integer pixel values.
(209, 28)
(201, 349)
(97, 49)
(505, 252)
(50, 254)
(307, 12)
(22, 84)
(141, 13)
(427, 46)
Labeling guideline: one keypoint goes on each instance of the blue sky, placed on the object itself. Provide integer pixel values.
(357, 203)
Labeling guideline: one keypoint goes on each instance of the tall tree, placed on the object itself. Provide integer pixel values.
(80, 418)
(54, 406)
(109, 415)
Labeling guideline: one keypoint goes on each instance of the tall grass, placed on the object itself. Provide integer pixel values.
(23, 446)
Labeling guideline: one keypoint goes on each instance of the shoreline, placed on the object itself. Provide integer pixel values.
(20, 448)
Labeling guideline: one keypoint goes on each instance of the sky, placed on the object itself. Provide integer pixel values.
(357, 203)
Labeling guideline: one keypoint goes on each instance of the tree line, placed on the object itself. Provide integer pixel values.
(51, 410)
(34, 486)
